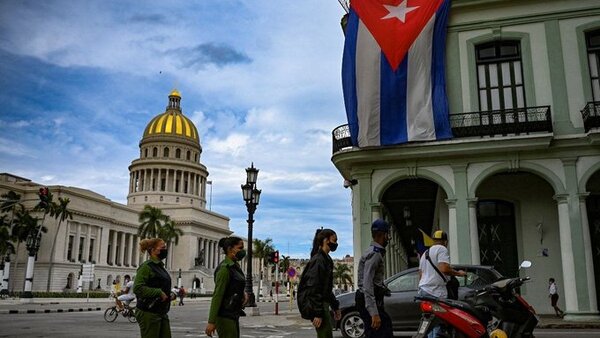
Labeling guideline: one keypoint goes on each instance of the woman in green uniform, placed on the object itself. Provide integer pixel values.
(315, 292)
(229, 297)
(152, 287)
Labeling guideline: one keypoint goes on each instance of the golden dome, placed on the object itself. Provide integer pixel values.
(172, 122)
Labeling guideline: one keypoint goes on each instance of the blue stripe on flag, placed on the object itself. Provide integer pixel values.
(438, 74)
(393, 128)
(349, 76)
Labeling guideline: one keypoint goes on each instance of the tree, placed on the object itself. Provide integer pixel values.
(341, 275)
(6, 245)
(284, 263)
(168, 232)
(23, 226)
(60, 212)
(261, 250)
(151, 221)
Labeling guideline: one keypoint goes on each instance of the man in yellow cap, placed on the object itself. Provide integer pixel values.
(435, 270)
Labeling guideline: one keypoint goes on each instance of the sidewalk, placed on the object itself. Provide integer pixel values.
(53, 305)
(552, 322)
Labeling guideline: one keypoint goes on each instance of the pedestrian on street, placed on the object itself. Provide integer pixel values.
(553, 295)
(229, 298)
(315, 292)
(435, 270)
(371, 290)
(152, 287)
(181, 294)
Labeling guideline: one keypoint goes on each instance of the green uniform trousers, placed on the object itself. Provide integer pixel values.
(326, 328)
(153, 325)
(228, 328)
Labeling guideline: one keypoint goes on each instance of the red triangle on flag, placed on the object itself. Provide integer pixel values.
(395, 24)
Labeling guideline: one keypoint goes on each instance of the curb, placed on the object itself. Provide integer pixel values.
(30, 311)
(569, 326)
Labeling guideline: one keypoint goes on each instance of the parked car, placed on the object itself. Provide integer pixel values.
(401, 306)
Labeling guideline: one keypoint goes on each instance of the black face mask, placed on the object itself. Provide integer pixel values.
(163, 254)
(240, 255)
(332, 246)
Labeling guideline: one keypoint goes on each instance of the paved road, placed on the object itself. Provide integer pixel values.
(186, 321)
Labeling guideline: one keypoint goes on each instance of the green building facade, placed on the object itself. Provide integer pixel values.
(520, 180)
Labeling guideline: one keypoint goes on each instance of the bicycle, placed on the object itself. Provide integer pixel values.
(111, 314)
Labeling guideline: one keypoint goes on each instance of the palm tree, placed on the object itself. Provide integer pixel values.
(6, 245)
(284, 263)
(60, 212)
(168, 232)
(262, 249)
(341, 275)
(24, 225)
(151, 219)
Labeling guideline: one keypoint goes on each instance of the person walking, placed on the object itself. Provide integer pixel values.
(315, 292)
(229, 298)
(181, 293)
(553, 295)
(434, 266)
(152, 288)
(371, 290)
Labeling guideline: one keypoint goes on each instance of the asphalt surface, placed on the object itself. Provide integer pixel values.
(186, 321)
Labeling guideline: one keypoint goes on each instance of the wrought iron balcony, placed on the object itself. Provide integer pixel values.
(341, 138)
(591, 115)
(502, 122)
(487, 123)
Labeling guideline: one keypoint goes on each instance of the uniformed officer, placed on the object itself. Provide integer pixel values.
(371, 290)
(229, 298)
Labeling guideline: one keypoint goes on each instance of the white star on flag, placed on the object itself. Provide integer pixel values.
(399, 11)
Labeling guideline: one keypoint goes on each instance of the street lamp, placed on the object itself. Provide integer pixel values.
(251, 196)
(33, 245)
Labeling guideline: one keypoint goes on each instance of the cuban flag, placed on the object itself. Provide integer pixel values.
(393, 71)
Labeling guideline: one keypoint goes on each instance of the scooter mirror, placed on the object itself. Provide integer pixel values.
(525, 264)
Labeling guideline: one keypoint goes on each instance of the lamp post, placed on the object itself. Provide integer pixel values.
(251, 196)
(33, 245)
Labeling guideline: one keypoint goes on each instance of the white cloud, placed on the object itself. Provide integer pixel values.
(274, 102)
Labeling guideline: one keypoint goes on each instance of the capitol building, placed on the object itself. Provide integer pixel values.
(167, 175)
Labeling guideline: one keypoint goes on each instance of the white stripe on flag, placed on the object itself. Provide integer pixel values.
(419, 110)
(368, 65)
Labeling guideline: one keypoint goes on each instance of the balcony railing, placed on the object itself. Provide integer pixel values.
(489, 123)
(341, 138)
(591, 115)
(502, 122)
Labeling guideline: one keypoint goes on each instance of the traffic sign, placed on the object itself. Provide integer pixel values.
(291, 272)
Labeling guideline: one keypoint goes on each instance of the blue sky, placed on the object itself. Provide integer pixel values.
(79, 81)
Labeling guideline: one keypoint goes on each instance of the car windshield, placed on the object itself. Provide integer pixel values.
(478, 277)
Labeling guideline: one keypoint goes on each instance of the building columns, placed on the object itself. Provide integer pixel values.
(113, 249)
(587, 244)
(474, 231)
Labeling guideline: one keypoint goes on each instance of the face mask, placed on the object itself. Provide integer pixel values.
(240, 255)
(163, 254)
(332, 246)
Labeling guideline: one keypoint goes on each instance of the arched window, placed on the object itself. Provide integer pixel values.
(196, 158)
(592, 40)
(178, 153)
(189, 155)
(146, 152)
(500, 75)
(166, 152)
(155, 152)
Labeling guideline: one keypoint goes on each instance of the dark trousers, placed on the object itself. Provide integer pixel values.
(153, 325)
(228, 328)
(384, 331)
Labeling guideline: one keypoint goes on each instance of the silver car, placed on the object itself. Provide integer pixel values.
(401, 305)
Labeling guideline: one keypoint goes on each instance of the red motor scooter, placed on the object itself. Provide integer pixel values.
(496, 311)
